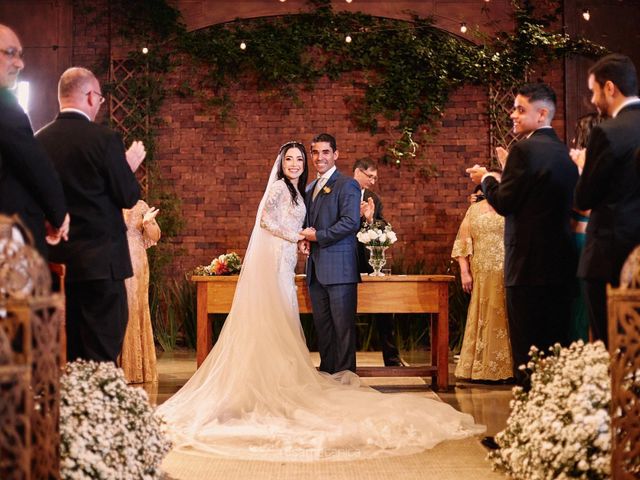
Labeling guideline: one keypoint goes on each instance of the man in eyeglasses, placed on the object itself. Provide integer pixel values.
(29, 185)
(365, 173)
(98, 179)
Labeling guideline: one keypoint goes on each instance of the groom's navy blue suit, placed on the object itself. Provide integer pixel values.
(332, 269)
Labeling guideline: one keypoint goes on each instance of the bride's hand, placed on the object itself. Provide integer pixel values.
(304, 247)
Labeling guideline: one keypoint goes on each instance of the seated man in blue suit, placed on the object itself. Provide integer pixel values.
(333, 219)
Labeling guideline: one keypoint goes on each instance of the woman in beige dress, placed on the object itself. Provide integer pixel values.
(138, 359)
(479, 250)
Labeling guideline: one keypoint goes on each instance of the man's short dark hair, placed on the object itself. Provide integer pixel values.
(535, 92)
(620, 70)
(540, 92)
(364, 164)
(325, 137)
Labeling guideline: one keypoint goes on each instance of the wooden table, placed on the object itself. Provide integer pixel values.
(389, 294)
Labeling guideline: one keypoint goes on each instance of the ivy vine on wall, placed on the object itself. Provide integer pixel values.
(408, 69)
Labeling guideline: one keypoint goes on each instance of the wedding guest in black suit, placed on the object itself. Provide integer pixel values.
(610, 184)
(365, 172)
(98, 180)
(29, 185)
(535, 195)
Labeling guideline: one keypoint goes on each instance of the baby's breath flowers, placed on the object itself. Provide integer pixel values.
(561, 428)
(108, 429)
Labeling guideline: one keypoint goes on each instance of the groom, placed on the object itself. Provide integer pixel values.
(333, 219)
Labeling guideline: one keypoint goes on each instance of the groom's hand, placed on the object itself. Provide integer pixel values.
(309, 234)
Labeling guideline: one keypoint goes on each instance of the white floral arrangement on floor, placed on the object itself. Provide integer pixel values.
(561, 428)
(378, 234)
(108, 429)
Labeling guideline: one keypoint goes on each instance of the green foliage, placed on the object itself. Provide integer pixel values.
(173, 307)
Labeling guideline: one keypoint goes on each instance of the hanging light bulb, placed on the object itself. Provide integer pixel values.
(349, 1)
(282, 1)
(585, 14)
(348, 39)
(463, 27)
(145, 50)
(243, 46)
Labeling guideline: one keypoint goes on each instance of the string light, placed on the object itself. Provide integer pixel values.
(348, 1)
(348, 39)
(463, 27)
(243, 46)
(145, 50)
(586, 15)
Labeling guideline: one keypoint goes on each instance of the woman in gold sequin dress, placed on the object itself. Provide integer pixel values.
(479, 250)
(138, 358)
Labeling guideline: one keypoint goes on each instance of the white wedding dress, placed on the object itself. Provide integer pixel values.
(258, 395)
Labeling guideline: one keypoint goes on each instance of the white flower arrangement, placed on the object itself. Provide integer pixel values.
(108, 429)
(561, 428)
(378, 234)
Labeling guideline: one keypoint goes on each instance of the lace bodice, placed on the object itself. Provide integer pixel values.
(481, 236)
(283, 219)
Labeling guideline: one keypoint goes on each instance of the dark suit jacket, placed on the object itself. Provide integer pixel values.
(98, 184)
(335, 214)
(363, 253)
(535, 196)
(610, 187)
(29, 185)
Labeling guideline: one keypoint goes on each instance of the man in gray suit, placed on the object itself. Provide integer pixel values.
(333, 219)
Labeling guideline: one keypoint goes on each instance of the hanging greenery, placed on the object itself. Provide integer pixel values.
(407, 69)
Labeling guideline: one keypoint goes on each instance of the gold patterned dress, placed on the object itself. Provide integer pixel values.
(486, 351)
(138, 359)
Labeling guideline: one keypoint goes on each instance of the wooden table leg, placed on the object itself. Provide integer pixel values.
(440, 338)
(204, 341)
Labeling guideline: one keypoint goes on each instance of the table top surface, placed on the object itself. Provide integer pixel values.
(365, 278)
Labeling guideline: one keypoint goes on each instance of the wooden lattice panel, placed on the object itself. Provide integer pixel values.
(29, 361)
(46, 319)
(15, 398)
(127, 111)
(624, 338)
(500, 124)
(15, 431)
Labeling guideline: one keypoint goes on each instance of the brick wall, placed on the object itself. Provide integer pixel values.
(219, 170)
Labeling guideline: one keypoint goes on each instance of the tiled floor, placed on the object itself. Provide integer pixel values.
(489, 404)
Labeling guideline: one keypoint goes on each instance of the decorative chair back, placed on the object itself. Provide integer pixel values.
(624, 347)
(30, 317)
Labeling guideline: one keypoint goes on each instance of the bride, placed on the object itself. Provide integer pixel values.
(259, 396)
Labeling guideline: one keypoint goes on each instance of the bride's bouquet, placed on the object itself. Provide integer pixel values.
(225, 264)
(378, 234)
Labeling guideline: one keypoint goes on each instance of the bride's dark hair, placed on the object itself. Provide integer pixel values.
(302, 180)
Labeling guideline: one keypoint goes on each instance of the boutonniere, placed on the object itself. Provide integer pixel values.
(326, 190)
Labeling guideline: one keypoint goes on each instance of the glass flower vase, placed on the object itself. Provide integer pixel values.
(377, 259)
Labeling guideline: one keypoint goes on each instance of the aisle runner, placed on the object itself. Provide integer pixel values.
(453, 460)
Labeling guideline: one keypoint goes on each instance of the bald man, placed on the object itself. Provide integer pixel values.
(98, 181)
(29, 185)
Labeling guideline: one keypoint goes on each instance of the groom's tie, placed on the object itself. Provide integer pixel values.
(319, 184)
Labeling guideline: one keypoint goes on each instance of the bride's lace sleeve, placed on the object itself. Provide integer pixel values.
(463, 245)
(277, 215)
